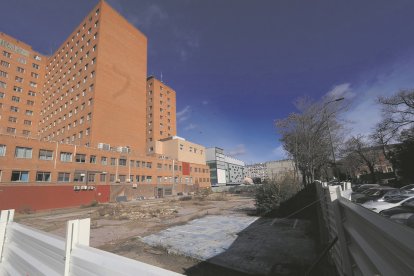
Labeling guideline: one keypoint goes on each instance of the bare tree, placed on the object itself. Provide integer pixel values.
(397, 114)
(310, 136)
(360, 153)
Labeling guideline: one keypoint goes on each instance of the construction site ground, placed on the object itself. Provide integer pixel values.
(219, 226)
(117, 227)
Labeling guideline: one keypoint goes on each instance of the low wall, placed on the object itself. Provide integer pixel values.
(25, 198)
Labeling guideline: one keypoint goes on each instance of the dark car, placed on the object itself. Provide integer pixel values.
(373, 194)
(403, 214)
(408, 187)
(361, 190)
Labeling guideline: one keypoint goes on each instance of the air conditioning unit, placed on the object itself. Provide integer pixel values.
(76, 188)
(118, 180)
(91, 188)
(128, 180)
(103, 146)
(84, 187)
(122, 149)
(135, 185)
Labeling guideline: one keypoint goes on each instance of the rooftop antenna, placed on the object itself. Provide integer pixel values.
(161, 77)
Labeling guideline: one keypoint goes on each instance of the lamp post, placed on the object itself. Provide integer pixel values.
(330, 135)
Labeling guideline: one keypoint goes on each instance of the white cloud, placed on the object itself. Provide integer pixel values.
(149, 16)
(191, 127)
(184, 114)
(279, 153)
(365, 112)
(240, 149)
(341, 90)
(205, 102)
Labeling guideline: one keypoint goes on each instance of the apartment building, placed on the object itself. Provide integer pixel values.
(255, 171)
(161, 112)
(22, 72)
(88, 116)
(273, 170)
(224, 170)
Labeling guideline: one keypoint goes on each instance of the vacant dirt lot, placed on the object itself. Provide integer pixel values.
(117, 227)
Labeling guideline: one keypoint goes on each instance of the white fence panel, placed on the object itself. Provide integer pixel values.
(27, 251)
(87, 261)
(368, 244)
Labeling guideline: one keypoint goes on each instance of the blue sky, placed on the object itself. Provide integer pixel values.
(238, 65)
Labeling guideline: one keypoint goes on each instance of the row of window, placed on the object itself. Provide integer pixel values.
(88, 177)
(84, 26)
(6, 64)
(30, 93)
(69, 114)
(44, 154)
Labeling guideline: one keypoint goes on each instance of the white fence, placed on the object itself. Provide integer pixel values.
(26, 251)
(368, 244)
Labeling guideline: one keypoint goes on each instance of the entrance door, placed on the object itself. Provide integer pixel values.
(160, 192)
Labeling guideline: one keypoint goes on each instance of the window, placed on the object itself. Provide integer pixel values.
(15, 99)
(149, 165)
(4, 64)
(29, 102)
(20, 176)
(34, 75)
(12, 119)
(66, 157)
(78, 177)
(14, 109)
(17, 89)
(3, 74)
(92, 159)
(43, 176)
(1, 95)
(112, 178)
(91, 177)
(28, 122)
(33, 84)
(35, 66)
(2, 150)
(22, 60)
(22, 152)
(3, 84)
(102, 177)
(113, 161)
(6, 54)
(63, 177)
(45, 154)
(104, 160)
(29, 112)
(20, 69)
(122, 162)
(11, 130)
(18, 79)
(80, 158)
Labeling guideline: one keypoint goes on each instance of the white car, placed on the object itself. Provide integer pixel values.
(377, 206)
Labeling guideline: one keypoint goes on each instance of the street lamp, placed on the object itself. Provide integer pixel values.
(329, 132)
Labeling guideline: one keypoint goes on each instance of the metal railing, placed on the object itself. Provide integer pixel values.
(368, 243)
(27, 251)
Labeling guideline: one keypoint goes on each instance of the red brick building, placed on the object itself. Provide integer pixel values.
(81, 125)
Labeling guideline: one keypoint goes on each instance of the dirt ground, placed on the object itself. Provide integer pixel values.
(117, 227)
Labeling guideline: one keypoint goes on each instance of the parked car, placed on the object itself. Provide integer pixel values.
(394, 193)
(360, 192)
(377, 206)
(409, 187)
(374, 194)
(403, 214)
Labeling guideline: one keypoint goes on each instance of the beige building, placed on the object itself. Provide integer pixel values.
(179, 149)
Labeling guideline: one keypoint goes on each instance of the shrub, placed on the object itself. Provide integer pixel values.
(269, 195)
